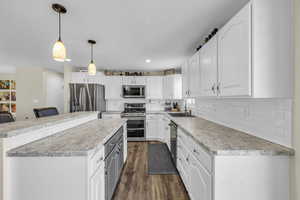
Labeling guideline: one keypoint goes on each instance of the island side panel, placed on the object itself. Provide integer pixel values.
(251, 177)
(21, 139)
(125, 141)
(1, 169)
(47, 178)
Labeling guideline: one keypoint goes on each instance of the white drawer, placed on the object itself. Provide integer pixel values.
(96, 160)
(182, 137)
(196, 149)
(201, 154)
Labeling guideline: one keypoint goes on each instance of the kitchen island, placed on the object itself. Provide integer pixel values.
(220, 163)
(73, 164)
(15, 134)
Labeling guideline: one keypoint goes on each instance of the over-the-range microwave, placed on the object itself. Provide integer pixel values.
(133, 91)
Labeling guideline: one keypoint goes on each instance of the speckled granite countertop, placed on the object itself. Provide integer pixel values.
(221, 140)
(112, 112)
(20, 127)
(77, 141)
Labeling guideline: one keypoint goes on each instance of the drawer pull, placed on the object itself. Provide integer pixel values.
(195, 151)
(99, 160)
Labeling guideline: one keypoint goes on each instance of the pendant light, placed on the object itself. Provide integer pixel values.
(59, 49)
(92, 67)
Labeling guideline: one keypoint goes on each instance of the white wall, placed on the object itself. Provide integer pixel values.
(7, 70)
(30, 91)
(7, 76)
(55, 90)
(36, 88)
(270, 119)
(295, 164)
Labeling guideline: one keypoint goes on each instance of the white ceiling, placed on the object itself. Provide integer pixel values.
(127, 31)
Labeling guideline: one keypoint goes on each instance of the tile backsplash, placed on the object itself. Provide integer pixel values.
(270, 119)
(151, 105)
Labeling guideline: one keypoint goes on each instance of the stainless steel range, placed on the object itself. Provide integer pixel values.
(136, 124)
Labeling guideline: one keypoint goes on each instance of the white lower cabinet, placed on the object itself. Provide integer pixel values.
(157, 128)
(152, 131)
(200, 181)
(230, 177)
(197, 180)
(97, 184)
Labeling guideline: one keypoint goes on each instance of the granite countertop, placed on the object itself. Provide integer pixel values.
(147, 112)
(112, 112)
(221, 140)
(20, 127)
(77, 141)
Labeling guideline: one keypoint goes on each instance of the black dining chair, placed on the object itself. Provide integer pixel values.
(6, 117)
(45, 112)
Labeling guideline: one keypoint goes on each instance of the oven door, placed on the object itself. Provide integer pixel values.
(130, 91)
(136, 128)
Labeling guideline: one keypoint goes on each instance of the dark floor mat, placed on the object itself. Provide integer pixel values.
(160, 160)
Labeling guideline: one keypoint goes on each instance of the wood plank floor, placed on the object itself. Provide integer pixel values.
(136, 184)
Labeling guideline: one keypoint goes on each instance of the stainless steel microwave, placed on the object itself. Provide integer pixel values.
(133, 91)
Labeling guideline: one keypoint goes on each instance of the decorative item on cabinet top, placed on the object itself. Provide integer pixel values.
(145, 73)
(211, 35)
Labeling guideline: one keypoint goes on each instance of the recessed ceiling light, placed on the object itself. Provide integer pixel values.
(148, 61)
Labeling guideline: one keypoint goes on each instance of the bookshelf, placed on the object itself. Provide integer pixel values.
(8, 94)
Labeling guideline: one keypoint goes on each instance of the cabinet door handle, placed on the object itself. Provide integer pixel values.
(218, 88)
(213, 88)
(187, 159)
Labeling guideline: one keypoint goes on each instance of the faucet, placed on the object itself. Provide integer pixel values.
(185, 106)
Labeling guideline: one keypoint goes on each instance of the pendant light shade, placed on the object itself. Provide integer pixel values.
(92, 69)
(59, 52)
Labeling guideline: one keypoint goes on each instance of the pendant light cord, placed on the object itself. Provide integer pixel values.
(59, 27)
(92, 54)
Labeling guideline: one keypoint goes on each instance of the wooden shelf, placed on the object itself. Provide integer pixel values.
(9, 103)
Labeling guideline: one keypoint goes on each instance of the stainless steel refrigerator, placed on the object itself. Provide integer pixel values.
(87, 97)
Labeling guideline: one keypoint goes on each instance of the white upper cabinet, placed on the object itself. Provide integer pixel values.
(185, 79)
(172, 86)
(209, 68)
(273, 48)
(154, 88)
(113, 87)
(235, 55)
(83, 77)
(255, 54)
(168, 87)
(134, 80)
(194, 75)
(177, 86)
(191, 77)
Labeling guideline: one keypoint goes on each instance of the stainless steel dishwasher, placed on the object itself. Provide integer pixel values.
(173, 141)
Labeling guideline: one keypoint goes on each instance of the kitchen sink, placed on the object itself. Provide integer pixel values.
(181, 115)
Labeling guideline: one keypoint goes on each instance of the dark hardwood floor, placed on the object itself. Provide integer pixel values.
(136, 184)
